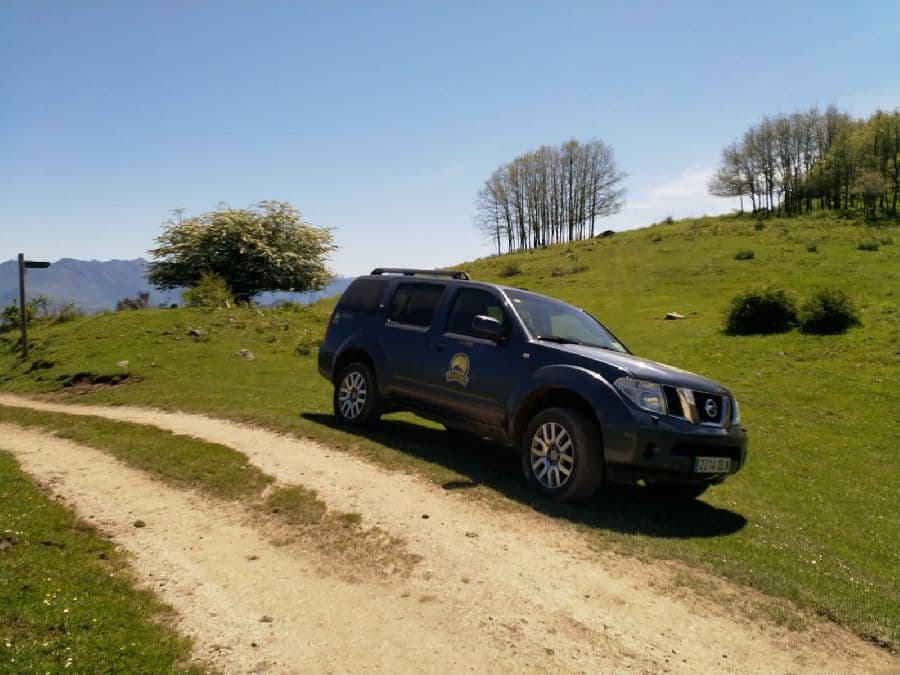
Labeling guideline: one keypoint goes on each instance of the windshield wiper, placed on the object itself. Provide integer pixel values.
(558, 340)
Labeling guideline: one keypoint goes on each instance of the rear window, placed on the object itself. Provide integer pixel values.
(414, 304)
(363, 296)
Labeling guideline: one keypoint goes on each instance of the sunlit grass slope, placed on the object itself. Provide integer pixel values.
(813, 517)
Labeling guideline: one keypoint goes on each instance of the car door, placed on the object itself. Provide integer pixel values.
(474, 375)
(407, 335)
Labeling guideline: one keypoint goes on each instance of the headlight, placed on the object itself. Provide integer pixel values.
(735, 412)
(644, 394)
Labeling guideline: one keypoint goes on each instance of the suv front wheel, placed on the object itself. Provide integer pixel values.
(562, 456)
(356, 402)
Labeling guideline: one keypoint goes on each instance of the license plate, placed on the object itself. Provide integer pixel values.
(712, 464)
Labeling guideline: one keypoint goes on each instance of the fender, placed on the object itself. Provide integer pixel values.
(588, 385)
(365, 343)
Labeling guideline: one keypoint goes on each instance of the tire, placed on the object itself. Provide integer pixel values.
(356, 401)
(684, 492)
(561, 439)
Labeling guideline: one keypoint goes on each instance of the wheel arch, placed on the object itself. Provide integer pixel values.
(562, 386)
(550, 396)
(350, 355)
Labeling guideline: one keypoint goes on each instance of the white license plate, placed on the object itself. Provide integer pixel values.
(712, 464)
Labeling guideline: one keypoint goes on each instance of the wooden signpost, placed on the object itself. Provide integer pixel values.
(23, 314)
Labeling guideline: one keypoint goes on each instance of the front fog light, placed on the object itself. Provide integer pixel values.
(644, 394)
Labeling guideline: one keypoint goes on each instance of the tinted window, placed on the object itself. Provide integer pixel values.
(468, 304)
(363, 295)
(414, 304)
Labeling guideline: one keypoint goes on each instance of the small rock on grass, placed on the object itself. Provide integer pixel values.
(122, 364)
(247, 354)
(674, 316)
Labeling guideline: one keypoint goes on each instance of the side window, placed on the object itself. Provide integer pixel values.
(362, 295)
(469, 303)
(414, 304)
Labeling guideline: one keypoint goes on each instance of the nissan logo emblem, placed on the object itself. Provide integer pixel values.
(711, 408)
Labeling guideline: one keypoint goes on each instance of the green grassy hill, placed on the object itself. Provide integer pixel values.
(813, 517)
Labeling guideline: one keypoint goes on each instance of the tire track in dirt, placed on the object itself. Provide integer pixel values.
(520, 589)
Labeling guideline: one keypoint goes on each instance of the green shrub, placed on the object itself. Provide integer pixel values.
(511, 270)
(886, 241)
(66, 312)
(744, 255)
(812, 247)
(211, 291)
(760, 311)
(828, 312)
(306, 343)
(759, 226)
(867, 246)
(9, 317)
(141, 301)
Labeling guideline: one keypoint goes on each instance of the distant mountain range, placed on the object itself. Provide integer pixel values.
(95, 285)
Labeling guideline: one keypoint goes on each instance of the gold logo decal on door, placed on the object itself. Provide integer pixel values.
(459, 369)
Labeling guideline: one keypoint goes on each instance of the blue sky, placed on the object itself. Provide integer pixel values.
(382, 120)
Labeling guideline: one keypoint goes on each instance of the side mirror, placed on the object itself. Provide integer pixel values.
(488, 327)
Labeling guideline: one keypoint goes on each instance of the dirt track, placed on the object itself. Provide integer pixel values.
(495, 591)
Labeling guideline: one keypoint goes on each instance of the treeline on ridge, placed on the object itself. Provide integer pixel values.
(551, 195)
(789, 163)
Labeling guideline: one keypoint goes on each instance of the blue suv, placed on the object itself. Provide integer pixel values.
(531, 371)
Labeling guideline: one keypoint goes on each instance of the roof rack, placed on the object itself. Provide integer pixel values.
(425, 273)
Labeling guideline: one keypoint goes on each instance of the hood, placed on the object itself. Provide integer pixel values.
(612, 364)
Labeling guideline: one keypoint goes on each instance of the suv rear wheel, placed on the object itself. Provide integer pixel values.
(356, 401)
(561, 454)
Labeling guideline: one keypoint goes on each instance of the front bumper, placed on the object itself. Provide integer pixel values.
(664, 449)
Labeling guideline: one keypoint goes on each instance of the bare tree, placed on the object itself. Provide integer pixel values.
(550, 195)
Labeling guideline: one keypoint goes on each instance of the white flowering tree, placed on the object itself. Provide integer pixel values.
(267, 247)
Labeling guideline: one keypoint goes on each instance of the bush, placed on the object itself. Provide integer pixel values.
(828, 312)
(210, 291)
(140, 302)
(511, 270)
(759, 226)
(812, 247)
(867, 246)
(744, 255)
(66, 312)
(761, 311)
(306, 343)
(886, 241)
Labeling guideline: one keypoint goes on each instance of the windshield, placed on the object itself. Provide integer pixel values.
(554, 321)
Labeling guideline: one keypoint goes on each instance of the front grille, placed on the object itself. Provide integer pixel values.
(673, 402)
(698, 407)
(710, 407)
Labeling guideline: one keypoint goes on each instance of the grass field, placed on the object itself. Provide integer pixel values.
(813, 517)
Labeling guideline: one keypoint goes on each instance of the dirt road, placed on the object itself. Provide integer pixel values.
(495, 590)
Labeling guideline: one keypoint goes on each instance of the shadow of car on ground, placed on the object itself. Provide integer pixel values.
(626, 509)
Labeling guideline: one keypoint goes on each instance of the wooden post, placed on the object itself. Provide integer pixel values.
(23, 317)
